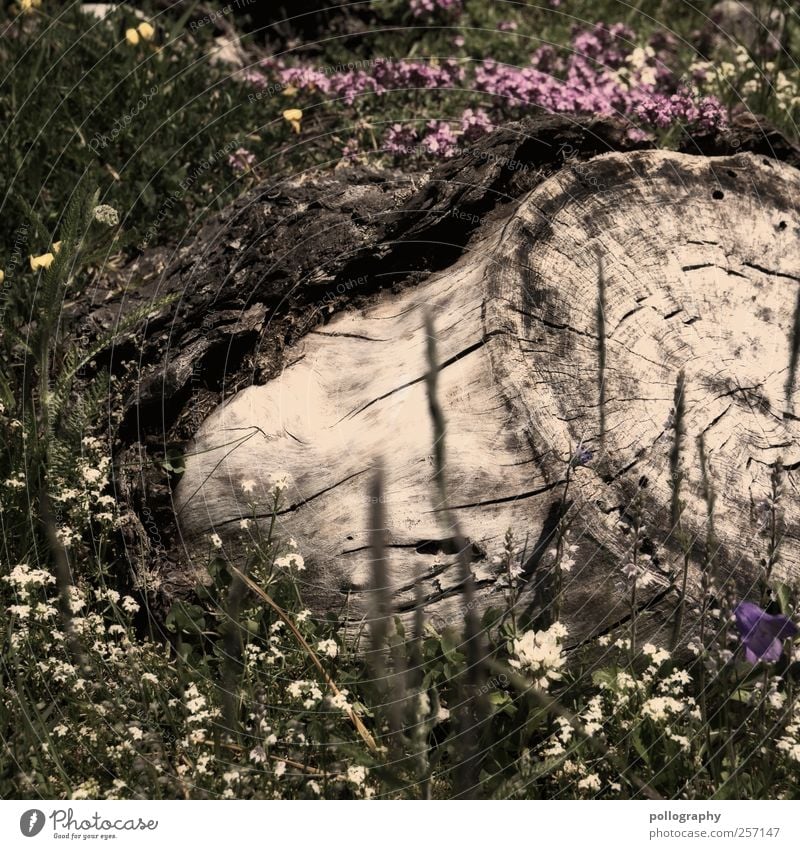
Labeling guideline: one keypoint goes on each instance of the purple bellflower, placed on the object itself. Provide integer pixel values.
(762, 633)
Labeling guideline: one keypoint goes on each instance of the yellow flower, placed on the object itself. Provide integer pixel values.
(29, 5)
(131, 36)
(289, 91)
(146, 31)
(2, 275)
(43, 261)
(294, 116)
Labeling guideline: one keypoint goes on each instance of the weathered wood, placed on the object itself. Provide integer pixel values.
(701, 263)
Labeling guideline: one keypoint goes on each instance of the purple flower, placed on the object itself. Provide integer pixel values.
(241, 160)
(428, 7)
(475, 123)
(762, 633)
(440, 139)
(582, 456)
(400, 140)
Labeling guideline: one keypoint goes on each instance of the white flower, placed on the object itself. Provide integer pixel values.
(660, 708)
(291, 562)
(540, 654)
(149, 677)
(248, 485)
(216, 541)
(135, 732)
(129, 605)
(280, 768)
(356, 775)
(591, 782)
(258, 755)
(328, 647)
(105, 214)
(295, 689)
(244, 524)
(340, 700)
(280, 481)
(657, 656)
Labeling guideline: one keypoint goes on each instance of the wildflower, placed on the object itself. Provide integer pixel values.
(135, 732)
(339, 700)
(258, 755)
(146, 31)
(540, 654)
(216, 541)
(240, 161)
(42, 261)
(29, 5)
(129, 605)
(400, 140)
(475, 123)
(657, 656)
(356, 775)
(248, 485)
(280, 768)
(660, 708)
(427, 7)
(591, 783)
(244, 524)
(328, 647)
(582, 456)
(440, 139)
(280, 481)
(294, 117)
(762, 633)
(105, 214)
(291, 562)
(132, 36)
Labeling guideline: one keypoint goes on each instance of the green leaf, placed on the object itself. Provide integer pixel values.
(186, 618)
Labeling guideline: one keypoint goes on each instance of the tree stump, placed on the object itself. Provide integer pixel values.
(696, 265)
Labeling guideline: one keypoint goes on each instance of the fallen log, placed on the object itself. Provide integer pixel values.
(563, 322)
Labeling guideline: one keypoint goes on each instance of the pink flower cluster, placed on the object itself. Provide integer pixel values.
(664, 110)
(431, 7)
(604, 73)
(241, 160)
(382, 76)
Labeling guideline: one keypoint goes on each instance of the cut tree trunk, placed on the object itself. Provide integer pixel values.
(502, 243)
(696, 261)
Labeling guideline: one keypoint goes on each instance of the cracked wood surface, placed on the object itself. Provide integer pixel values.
(701, 262)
